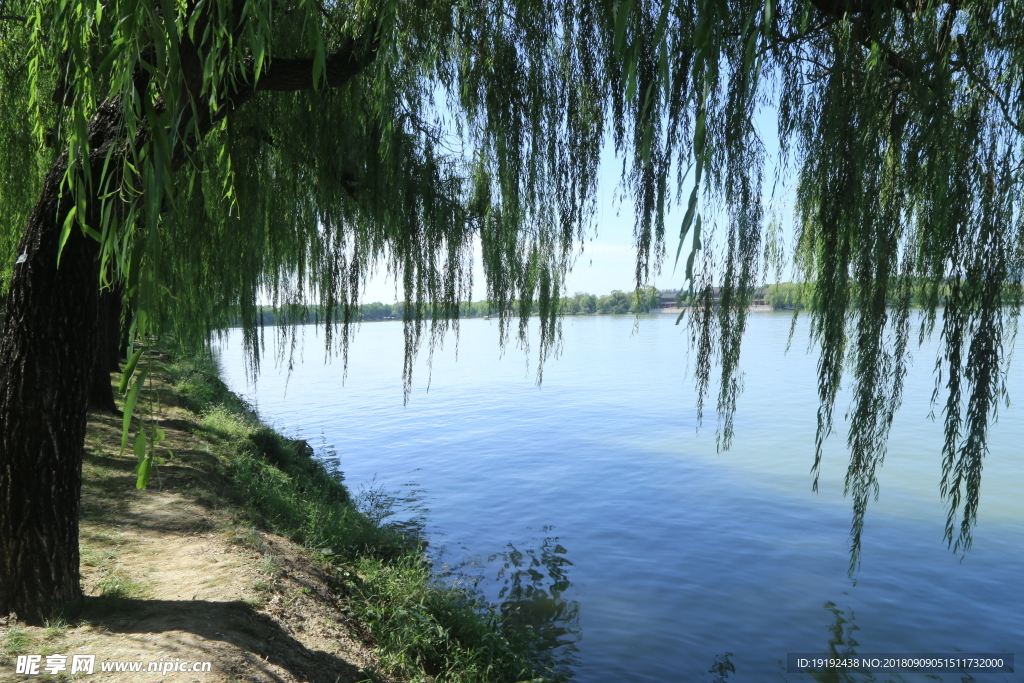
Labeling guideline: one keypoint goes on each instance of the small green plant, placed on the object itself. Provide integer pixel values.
(119, 585)
(16, 642)
(270, 567)
(93, 555)
(89, 556)
(56, 628)
(148, 436)
(247, 537)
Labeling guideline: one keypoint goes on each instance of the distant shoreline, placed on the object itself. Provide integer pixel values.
(752, 309)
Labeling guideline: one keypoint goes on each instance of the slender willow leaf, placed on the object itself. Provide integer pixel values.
(129, 408)
(129, 370)
(145, 460)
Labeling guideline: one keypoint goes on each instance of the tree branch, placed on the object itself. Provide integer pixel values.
(987, 87)
(281, 75)
(796, 36)
(297, 74)
(838, 8)
(946, 28)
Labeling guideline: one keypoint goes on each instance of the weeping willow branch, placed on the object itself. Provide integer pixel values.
(278, 150)
(289, 75)
(286, 75)
(984, 84)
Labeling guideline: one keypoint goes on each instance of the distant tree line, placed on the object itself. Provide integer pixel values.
(581, 303)
(800, 296)
(618, 302)
(790, 296)
(784, 296)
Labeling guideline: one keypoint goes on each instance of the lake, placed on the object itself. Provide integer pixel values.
(658, 558)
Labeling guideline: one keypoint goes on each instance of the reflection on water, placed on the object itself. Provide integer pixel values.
(404, 511)
(722, 668)
(533, 577)
(533, 582)
(842, 643)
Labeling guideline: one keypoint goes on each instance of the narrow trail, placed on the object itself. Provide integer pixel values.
(174, 577)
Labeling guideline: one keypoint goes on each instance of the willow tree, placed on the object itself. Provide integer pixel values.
(201, 154)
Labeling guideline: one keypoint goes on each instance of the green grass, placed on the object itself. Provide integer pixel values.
(248, 538)
(120, 586)
(56, 628)
(16, 642)
(270, 567)
(423, 628)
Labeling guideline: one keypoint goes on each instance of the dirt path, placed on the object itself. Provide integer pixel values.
(175, 577)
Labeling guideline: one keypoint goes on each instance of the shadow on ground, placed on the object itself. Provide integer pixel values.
(262, 642)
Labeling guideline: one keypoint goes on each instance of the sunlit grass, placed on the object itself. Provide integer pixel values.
(248, 538)
(423, 629)
(56, 628)
(121, 586)
(15, 642)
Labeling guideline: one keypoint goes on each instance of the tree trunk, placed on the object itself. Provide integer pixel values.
(47, 353)
(109, 351)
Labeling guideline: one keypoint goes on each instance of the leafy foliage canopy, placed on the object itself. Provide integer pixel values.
(289, 148)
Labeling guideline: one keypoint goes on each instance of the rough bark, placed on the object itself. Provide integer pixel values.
(109, 351)
(46, 355)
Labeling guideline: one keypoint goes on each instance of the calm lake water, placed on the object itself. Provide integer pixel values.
(670, 561)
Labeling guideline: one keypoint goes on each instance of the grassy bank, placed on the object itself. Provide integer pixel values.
(421, 627)
(248, 552)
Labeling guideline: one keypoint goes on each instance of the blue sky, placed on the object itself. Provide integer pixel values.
(608, 260)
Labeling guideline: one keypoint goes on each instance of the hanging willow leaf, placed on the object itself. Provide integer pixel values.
(282, 152)
(145, 460)
(129, 407)
(691, 207)
(139, 445)
(693, 251)
(129, 370)
(66, 231)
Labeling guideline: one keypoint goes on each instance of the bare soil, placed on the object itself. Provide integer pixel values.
(173, 574)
